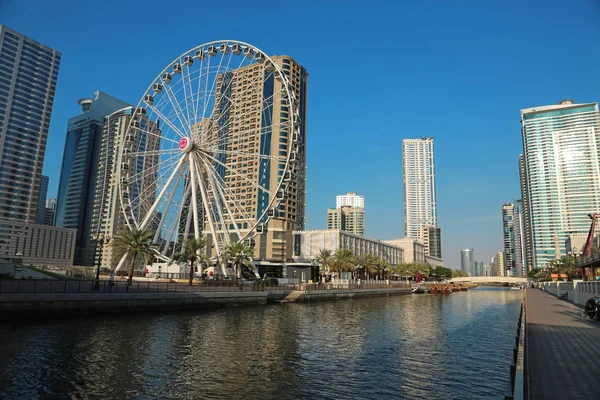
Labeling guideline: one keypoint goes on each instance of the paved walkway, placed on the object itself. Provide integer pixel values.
(563, 349)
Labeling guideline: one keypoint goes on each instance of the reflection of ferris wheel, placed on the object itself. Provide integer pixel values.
(198, 155)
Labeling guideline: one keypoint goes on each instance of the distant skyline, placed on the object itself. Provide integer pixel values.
(459, 72)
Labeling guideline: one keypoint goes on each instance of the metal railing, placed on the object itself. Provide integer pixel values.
(46, 286)
(517, 383)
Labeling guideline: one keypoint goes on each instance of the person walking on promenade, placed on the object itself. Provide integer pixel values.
(111, 281)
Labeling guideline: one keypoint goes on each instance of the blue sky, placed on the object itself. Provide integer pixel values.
(380, 71)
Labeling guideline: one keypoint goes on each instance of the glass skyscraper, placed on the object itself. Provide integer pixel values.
(28, 74)
(467, 263)
(41, 205)
(561, 174)
(79, 170)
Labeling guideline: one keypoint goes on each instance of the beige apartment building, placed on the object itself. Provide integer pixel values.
(414, 250)
(240, 110)
(346, 218)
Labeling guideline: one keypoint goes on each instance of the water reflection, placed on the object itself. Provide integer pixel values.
(434, 346)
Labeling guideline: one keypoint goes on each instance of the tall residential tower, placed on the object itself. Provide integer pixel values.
(79, 168)
(561, 174)
(418, 176)
(349, 214)
(28, 74)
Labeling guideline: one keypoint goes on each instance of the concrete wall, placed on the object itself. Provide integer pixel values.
(27, 305)
(577, 291)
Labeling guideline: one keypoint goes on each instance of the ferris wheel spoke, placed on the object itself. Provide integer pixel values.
(214, 82)
(187, 88)
(154, 152)
(176, 106)
(168, 205)
(257, 155)
(234, 173)
(169, 162)
(198, 180)
(215, 204)
(167, 121)
(148, 217)
(154, 134)
(231, 197)
(219, 190)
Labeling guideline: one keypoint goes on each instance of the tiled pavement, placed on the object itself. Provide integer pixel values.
(563, 349)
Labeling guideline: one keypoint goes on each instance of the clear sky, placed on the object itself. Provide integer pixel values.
(380, 71)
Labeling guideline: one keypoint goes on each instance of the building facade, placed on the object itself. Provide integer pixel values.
(414, 250)
(508, 235)
(36, 244)
(432, 239)
(418, 177)
(79, 169)
(347, 218)
(520, 258)
(467, 261)
(525, 216)
(497, 264)
(308, 244)
(108, 218)
(561, 146)
(350, 199)
(28, 74)
(41, 204)
(275, 244)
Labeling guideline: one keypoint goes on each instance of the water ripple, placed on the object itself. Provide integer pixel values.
(451, 347)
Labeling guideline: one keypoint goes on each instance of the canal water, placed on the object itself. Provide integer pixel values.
(456, 346)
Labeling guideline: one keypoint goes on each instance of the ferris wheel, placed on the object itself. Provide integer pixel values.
(199, 151)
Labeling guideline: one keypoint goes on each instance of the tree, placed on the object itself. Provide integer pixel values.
(567, 266)
(343, 260)
(190, 252)
(239, 255)
(137, 244)
(325, 258)
(534, 273)
(441, 272)
(459, 273)
(368, 263)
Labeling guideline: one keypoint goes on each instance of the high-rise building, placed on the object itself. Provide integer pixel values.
(525, 217)
(346, 218)
(349, 214)
(79, 169)
(28, 74)
(432, 238)
(276, 244)
(498, 264)
(478, 268)
(418, 176)
(520, 259)
(51, 203)
(350, 199)
(107, 216)
(508, 235)
(467, 261)
(562, 173)
(41, 204)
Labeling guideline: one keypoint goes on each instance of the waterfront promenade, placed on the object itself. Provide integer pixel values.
(563, 349)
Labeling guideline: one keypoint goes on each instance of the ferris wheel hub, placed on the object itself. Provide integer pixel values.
(185, 144)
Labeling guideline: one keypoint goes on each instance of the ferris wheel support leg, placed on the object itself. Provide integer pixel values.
(148, 217)
(194, 200)
(206, 207)
(121, 262)
(169, 201)
(166, 249)
(255, 268)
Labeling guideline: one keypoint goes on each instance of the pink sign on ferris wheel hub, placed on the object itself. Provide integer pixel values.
(185, 144)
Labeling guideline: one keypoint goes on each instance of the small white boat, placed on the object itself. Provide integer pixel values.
(515, 288)
(418, 289)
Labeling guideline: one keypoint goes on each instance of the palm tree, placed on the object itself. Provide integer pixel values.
(136, 243)
(239, 255)
(324, 258)
(190, 252)
(567, 265)
(343, 260)
(368, 263)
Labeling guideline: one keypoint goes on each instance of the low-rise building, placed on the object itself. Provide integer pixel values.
(433, 261)
(36, 244)
(308, 244)
(414, 250)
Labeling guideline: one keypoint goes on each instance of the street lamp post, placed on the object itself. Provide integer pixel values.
(97, 283)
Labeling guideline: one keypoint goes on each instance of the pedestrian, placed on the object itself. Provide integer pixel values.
(111, 281)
